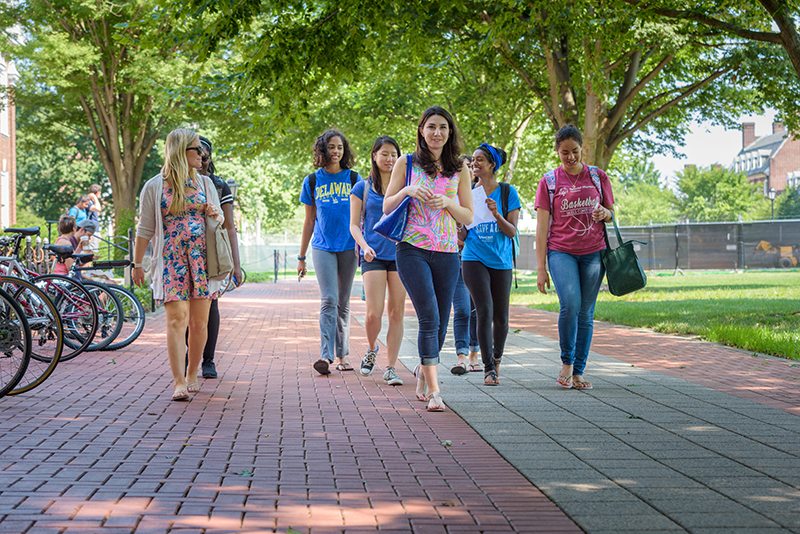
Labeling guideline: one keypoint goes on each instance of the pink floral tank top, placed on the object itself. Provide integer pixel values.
(427, 228)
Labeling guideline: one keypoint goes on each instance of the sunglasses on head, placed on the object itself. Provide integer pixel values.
(197, 149)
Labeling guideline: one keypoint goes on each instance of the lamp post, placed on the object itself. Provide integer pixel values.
(771, 195)
(234, 187)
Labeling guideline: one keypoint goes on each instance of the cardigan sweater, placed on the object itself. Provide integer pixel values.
(151, 227)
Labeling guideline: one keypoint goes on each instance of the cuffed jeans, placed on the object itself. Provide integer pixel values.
(430, 280)
(577, 281)
(464, 319)
(335, 273)
(491, 290)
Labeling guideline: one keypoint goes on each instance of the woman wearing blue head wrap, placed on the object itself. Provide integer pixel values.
(488, 259)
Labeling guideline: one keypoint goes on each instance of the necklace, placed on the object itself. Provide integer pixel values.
(574, 182)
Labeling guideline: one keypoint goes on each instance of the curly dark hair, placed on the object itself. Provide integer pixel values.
(321, 157)
(375, 172)
(451, 163)
(568, 132)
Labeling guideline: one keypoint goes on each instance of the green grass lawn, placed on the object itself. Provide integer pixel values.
(758, 311)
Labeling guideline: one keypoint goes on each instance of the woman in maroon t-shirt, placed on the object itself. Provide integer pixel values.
(572, 203)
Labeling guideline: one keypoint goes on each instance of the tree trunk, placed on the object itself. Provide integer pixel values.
(782, 15)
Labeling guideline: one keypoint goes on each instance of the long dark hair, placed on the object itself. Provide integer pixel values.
(375, 172)
(451, 163)
(321, 157)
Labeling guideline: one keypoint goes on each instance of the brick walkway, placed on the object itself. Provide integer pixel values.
(270, 447)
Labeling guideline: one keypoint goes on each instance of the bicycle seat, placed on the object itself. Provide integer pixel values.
(24, 231)
(84, 257)
(62, 251)
(111, 264)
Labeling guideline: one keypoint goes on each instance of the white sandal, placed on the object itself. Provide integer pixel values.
(435, 403)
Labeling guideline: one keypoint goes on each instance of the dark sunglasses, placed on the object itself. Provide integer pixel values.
(205, 158)
(197, 149)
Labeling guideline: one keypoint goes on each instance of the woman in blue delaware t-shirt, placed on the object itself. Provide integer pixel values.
(487, 260)
(327, 217)
(378, 267)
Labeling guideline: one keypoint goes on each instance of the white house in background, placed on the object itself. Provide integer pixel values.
(8, 150)
(771, 161)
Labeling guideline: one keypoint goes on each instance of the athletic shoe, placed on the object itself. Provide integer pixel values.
(391, 378)
(209, 370)
(368, 363)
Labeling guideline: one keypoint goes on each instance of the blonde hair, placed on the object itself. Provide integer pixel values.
(176, 168)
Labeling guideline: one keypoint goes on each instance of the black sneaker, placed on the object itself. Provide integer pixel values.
(209, 370)
(368, 363)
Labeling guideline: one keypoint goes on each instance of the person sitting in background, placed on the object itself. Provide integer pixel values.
(75, 235)
(78, 211)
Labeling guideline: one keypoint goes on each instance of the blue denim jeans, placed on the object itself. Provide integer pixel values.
(464, 319)
(335, 273)
(430, 280)
(577, 280)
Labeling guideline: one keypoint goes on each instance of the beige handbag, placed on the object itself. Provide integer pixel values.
(219, 259)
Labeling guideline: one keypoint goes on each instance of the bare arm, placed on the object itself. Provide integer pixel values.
(463, 210)
(398, 190)
(227, 210)
(305, 239)
(355, 226)
(140, 247)
(542, 227)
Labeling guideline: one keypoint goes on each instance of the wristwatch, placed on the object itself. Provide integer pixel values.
(135, 265)
(301, 258)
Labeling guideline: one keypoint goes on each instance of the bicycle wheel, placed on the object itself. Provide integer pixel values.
(15, 343)
(47, 334)
(109, 315)
(134, 317)
(77, 309)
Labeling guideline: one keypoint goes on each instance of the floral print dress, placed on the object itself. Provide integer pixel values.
(185, 274)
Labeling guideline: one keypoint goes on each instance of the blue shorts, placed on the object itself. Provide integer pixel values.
(377, 265)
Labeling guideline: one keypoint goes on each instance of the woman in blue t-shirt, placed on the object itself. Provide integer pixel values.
(327, 218)
(378, 267)
(487, 260)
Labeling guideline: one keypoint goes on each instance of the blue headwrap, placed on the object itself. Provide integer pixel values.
(492, 151)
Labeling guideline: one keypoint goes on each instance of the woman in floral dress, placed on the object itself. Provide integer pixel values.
(172, 217)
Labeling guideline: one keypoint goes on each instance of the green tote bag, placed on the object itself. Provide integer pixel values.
(623, 270)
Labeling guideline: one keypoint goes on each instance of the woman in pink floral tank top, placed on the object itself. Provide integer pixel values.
(427, 257)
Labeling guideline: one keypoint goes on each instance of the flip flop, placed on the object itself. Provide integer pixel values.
(581, 384)
(564, 381)
(343, 367)
(193, 388)
(180, 395)
(435, 403)
(459, 369)
(322, 366)
(475, 368)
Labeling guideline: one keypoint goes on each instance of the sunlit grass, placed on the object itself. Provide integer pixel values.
(758, 311)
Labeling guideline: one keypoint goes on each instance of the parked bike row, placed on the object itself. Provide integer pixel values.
(45, 319)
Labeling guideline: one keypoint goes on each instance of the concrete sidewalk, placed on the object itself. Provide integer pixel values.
(659, 445)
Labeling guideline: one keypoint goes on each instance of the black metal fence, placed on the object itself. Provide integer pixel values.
(726, 245)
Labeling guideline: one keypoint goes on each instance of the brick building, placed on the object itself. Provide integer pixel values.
(8, 150)
(771, 160)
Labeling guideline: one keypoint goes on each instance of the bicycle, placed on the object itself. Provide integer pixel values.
(47, 334)
(133, 316)
(74, 303)
(15, 343)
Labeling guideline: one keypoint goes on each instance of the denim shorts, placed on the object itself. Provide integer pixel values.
(378, 265)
